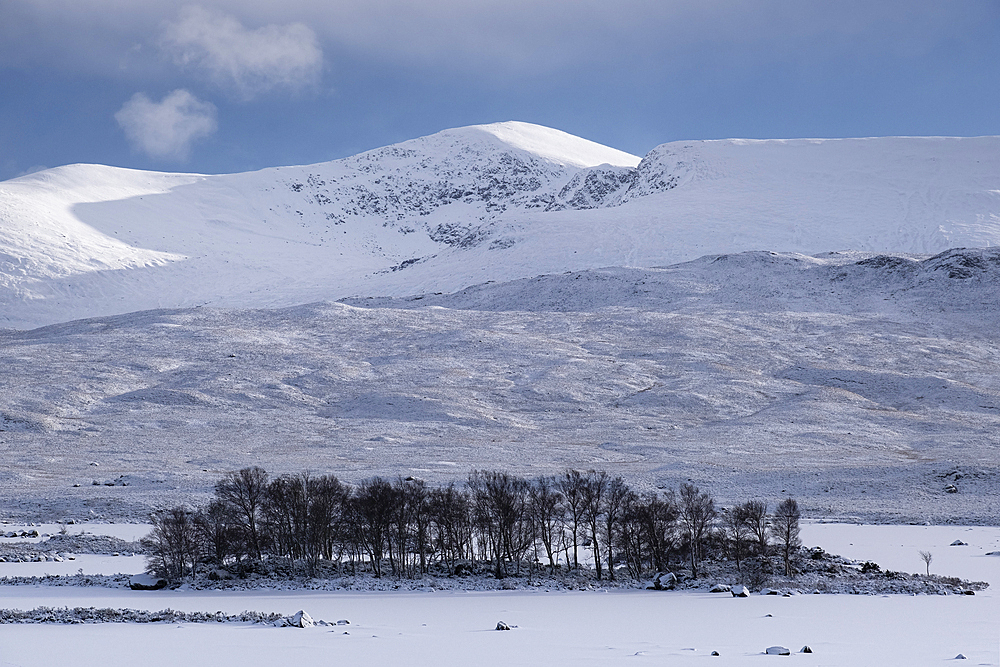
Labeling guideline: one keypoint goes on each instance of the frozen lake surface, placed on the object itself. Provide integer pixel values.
(560, 627)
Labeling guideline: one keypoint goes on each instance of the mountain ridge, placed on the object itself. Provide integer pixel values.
(465, 206)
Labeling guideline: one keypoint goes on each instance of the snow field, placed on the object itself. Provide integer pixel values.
(580, 628)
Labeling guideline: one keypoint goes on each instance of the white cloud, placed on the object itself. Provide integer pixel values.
(249, 61)
(166, 129)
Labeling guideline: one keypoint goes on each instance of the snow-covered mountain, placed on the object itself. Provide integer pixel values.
(467, 206)
(861, 384)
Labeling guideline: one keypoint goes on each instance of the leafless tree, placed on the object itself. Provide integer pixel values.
(737, 532)
(244, 491)
(500, 502)
(572, 485)
(755, 514)
(615, 500)
(545, 502)
(697, 514)
(594, 490)
(173, 545)
(927, 557)
(786, 530)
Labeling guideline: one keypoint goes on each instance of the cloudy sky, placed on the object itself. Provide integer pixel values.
(227, 85)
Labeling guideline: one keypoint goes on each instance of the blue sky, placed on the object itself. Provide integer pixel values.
(223, 86)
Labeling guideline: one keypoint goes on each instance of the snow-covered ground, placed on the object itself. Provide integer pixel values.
(863, 386)
(578, 628)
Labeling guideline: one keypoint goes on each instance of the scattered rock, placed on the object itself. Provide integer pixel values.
(777, 650)
(502, 626)
(146, 582)
(720, 588)
(740, 592)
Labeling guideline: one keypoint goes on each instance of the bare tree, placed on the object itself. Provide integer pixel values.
(244, 490)
(927, 557)
(545, 502)
(615, 501)
(786, 529)
(754, 513)
(572, 485)
(697, 513)
(501, 505)
(172, 545)
(737, 532)
(373, 508)
(594, 490)
(220, 532)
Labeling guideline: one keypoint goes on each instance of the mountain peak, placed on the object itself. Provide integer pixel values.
(557, 146)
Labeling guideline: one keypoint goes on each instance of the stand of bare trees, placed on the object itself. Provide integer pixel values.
(405, 528)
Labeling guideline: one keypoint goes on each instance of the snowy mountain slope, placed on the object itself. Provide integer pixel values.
(860, 384)
(467, 206)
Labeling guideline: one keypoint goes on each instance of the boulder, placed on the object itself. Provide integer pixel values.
(769, 591)
(146, 582)
(960, 657)
(806, 649)
(715, 653)
(663, 581)
(720, 588)
(343, 621)
(502, 626)
(777, 650)
(951, 488)
(300, 619)
(740, 592)
(958, 543)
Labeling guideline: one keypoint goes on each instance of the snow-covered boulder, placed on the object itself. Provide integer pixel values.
(502, 626)
(299, 619)
(958, 543)
(663, 581)
(806, 649)
(740, 592)
(720, 588)
(146, 582)
(777, 650)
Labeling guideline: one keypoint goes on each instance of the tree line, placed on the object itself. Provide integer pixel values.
(407, 528)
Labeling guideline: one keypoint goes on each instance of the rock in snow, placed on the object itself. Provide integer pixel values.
(740, 592)
(663, 581)
(502, 626)
(720, 588)
(299, 619)
(778, 650)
